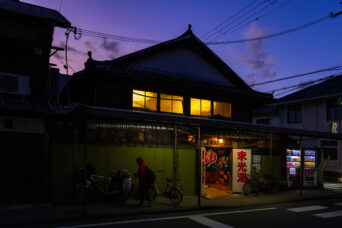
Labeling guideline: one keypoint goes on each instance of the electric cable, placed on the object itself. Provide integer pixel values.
(225, 21)
(224, 32)
(298, 75)
(272, 35)
(258, 17)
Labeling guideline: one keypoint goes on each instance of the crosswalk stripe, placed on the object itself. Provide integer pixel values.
(329, 214)
(208, 222)
(308, 208)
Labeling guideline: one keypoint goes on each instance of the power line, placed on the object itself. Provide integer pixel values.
(258, 17)
(228, 29)
(115, 37)
(272, 35)
(298, 75)
(225, 21)
(304, 83)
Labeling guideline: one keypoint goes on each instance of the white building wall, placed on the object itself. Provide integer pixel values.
(314, 117)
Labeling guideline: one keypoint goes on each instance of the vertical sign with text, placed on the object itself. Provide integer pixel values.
(241, 167)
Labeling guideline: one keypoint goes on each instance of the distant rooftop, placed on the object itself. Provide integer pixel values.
(330, 87)
(35, 11)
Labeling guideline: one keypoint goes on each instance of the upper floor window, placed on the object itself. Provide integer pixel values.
(145, 100)
(294, 114)
(330, 149)
(334, 111)
(222, 108)
(200, 107)
(171, 103)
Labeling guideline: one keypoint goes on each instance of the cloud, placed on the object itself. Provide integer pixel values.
(72, 49)
(262, 64)
(90, 46)
(58, 56)
(111, 47)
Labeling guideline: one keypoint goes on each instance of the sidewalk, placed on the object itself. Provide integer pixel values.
(31, 214)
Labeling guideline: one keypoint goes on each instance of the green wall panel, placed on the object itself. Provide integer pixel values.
(67, 159)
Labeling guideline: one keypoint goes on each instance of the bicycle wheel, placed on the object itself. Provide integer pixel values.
(83, 195)
(175, 196)
(152, 193)
(247, 188)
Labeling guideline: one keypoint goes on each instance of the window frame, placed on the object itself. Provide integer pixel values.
(172, 102)
(337, 110)
(145, 96)
(223, 102)
(329, 147)
(295, 109)
(211, 109)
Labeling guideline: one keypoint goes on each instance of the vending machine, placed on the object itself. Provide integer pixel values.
(293, 167)
(310, 168)
(293, 159)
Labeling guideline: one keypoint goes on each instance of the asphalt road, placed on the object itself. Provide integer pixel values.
(322, 213)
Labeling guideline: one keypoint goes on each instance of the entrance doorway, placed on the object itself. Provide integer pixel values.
(216, 172)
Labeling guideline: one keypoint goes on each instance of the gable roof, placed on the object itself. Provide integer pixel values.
(330, 87)
(15, 6)
(187, 40)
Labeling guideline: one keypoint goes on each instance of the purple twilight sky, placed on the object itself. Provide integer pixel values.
(313, 48)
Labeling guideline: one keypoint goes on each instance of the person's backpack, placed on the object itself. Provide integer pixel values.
(150, 176)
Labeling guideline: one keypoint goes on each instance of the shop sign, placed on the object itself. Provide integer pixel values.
(241, 167)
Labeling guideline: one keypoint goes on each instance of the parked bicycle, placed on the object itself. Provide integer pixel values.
(174, 193)
(117, 187)
(254, 184)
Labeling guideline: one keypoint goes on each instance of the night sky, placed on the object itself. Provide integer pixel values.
(309, 49)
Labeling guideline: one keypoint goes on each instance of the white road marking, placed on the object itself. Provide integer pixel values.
(166, 218)
(329, 214)
(208, 222)
(339, 204)
(309, 208)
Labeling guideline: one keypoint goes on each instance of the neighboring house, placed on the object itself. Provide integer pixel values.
(316, 108)
(27, 95)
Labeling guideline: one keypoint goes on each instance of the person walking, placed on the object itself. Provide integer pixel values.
(143, 182)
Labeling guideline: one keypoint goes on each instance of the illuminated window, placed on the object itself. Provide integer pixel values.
(200, 107)
(145, 100)
(222, 108)
(171, 103)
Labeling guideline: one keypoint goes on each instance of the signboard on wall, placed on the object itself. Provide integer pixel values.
(241, 167)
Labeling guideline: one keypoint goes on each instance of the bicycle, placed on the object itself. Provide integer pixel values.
(255, 185)
(117, 186)
(252, 185)
(174, 193)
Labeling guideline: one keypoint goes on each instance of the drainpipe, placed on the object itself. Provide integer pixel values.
(199, 168)
(271, 152)
(85, 161)
(175, 157)
(301, 168)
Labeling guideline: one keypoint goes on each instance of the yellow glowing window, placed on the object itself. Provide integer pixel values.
(171, 103)
(200, 107)
(222, 108)
(145, 100)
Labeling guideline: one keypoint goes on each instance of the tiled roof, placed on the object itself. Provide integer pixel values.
(34, 11)
(188, 39)
(330, 87)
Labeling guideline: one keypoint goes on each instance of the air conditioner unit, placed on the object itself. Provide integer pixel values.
(14, 84)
